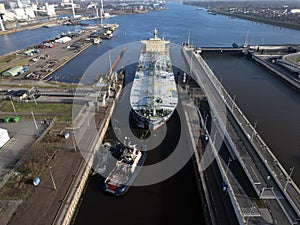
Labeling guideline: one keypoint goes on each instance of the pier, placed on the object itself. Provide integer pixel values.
(270, 181)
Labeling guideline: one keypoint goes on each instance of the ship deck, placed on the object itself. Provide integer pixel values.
(120, 175)
(154, 93)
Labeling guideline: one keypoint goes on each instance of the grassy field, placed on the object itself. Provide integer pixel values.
(34, 162)
(63, 112)
(9, 61)
(37, 108)
(297, 59)
(15, 82)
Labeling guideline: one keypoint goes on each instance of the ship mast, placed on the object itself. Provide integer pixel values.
(189, 36)
(153, 89)
(246, 40)
(155, 33)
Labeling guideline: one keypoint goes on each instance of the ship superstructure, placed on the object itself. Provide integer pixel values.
(154, 94)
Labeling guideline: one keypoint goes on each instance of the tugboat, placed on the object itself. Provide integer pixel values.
(126, 169)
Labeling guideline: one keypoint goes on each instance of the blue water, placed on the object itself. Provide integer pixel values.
(173, 24)
(25, 38)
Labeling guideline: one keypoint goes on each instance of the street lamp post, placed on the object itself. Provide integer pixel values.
(74, 141)
(52, 179)
(229, 161)
(233, 102)
(268, 181)
(288, 179)
(253, 131)
(13, 105)
(34, 99)
(191, 64)
(205, 120)
(36, 126)
(215, 136)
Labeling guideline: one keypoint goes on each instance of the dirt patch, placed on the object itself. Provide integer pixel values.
(7, 209)
(32, 164)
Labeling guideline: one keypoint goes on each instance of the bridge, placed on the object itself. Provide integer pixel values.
(270, 181)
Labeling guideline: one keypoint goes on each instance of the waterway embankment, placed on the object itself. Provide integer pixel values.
(277, 70)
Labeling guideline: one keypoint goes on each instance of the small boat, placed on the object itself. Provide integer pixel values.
(126, 169)
(97, 41)
(106, 35)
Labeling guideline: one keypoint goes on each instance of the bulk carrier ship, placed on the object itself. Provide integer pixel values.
(153, 96)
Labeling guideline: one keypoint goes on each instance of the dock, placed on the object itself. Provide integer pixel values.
(43, 59)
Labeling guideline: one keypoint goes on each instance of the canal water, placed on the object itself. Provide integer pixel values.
(173, 201)
(266, 100)
(263, 98)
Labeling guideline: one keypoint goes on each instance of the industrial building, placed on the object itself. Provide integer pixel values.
(13, 71)
(63, 39)
(17, 95)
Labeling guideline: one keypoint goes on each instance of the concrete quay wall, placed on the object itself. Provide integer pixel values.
(67, 210)
(193, 125)
(87, 45)
(285, 78)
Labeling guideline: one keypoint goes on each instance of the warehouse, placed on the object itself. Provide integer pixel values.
(63, 40)
(13, 71)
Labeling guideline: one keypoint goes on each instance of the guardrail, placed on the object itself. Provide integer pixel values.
(231, 194)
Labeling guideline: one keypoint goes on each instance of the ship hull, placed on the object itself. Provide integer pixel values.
(154, 94)
(152, 125)
(121, 189)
